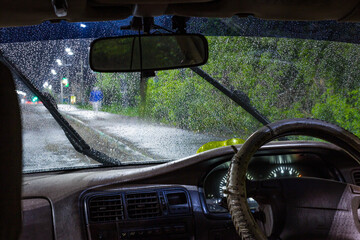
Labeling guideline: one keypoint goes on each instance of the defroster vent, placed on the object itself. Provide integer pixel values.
(105, 208)
(356, 176)
(143, 205)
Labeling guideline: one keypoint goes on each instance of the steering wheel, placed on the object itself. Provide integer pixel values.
(295, 208)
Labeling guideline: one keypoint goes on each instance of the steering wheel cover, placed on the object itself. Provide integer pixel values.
(243, 220)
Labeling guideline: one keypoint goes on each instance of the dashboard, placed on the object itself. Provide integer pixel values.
(183, 199)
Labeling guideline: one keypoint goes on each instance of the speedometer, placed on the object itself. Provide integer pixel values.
(284, 171)
(253, 205)
(223, 181)
(222, 186)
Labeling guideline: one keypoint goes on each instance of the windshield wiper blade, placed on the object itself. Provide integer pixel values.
(75, 139)
(237, 96)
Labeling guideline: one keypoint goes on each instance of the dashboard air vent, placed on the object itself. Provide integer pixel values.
(356, 176)
(143, 205)
(105, 208)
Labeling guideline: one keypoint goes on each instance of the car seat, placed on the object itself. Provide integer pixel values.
(10, 157)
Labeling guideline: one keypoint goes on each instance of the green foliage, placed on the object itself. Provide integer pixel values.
(85, 107)
(119, 88)
(339, 109)
(284, 78)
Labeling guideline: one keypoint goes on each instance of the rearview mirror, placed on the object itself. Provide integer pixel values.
(148, 52)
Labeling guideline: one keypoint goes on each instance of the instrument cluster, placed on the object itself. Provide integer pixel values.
(263, 168)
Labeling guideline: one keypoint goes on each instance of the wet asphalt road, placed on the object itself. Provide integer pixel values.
(45, 145)
(154, 140)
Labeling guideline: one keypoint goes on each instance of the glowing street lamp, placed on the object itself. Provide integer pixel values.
(53, 72)
(59, 62)
(21, 93)
(82, 25)
(69, 52)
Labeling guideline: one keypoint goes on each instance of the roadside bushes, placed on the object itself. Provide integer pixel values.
(343, 111)
(283, 78)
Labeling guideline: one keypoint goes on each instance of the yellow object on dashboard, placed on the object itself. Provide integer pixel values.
(217, 144)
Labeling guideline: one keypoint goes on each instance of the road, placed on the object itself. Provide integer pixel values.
(153, 140)
(45, 145)
(127, 139)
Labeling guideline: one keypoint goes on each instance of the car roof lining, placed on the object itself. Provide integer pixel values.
(22, 12)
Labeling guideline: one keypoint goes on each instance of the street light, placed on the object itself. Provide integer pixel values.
(59, 62)
(47, 87)
(21, 93)
(53, 72)
(82, 25)
(69, 52)
(63, 80)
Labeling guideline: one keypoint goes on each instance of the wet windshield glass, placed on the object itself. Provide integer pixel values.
(171, 115)
(45, 147)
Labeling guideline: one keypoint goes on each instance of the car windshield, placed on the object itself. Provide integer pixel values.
(280, 69)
